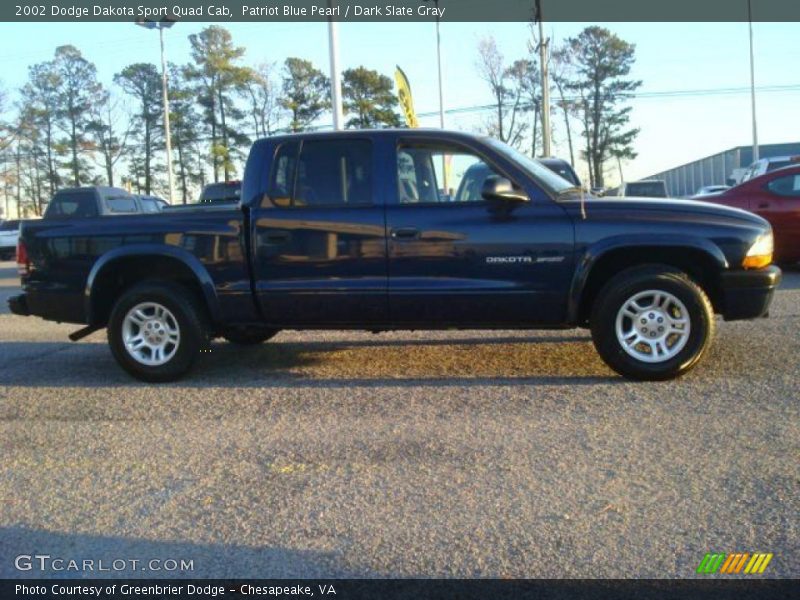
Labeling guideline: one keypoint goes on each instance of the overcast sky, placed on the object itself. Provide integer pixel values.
(677, 57)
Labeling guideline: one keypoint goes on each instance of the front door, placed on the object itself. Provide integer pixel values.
(319, 236)
(457, 260)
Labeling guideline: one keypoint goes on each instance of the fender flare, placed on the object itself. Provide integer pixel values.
(594, 253)
(141, 250)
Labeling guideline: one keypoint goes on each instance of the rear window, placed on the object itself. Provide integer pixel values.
(9, 225)
(651, 189)
(73, 204)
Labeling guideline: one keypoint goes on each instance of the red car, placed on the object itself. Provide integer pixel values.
(776, 197)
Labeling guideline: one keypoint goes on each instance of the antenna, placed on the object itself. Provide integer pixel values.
(583, 203)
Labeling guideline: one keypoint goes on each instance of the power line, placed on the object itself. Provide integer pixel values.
(637, 96)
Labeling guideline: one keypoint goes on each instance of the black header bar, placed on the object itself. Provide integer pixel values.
(399, 11)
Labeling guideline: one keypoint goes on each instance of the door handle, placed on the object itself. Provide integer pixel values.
(277, 237)
(764, 205)
(405, 233)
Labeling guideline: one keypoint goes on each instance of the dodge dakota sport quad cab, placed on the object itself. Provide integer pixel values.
(363, 230)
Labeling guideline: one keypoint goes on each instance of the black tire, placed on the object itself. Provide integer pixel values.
(191, 321)
(623, 287)
(249, 336)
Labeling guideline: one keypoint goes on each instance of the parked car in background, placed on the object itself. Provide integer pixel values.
(98, 201)
(9, 234)
(646, 188)
(599, 191)
(766, 165)
(776, 197)
(222, 191)
(561, 167)
(710, 190)
(469, 189)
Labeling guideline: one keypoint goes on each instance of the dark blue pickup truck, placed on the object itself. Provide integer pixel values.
(394, 229)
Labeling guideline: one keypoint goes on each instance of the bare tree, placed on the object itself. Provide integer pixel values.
(110, 139)
(264, 95)
(561, 73)
(507, 97)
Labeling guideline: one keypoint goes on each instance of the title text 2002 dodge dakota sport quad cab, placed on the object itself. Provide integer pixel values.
(391, 230)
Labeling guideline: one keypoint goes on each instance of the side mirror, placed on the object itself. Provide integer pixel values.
(497, 188)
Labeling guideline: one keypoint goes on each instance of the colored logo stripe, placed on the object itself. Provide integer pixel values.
(735, 562)
(710, 563)
(758, 563)
(732, 563)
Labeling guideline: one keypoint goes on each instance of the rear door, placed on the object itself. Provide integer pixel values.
(319, 236)
(455, 259)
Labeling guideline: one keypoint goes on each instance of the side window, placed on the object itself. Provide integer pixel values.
(431, 174)
(785, 186)
(283, 169)
(325, 173)
(121, 204)
(148, 205)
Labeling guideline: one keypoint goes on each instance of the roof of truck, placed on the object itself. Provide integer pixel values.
(388, 131)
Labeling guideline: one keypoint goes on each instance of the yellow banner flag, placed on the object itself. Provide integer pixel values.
(406, 100)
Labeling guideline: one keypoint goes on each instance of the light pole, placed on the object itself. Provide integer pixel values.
(752, 81)
(543, 43)
(161, 25)
(439, 64)
(336, 78)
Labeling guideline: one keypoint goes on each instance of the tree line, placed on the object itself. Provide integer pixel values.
(71, 130)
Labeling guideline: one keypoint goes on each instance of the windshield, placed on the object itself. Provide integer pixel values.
(221, 192)
(552, 182)
(777, 164)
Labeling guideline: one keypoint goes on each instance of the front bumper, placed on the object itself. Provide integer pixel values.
(747, 294)
(19, 305)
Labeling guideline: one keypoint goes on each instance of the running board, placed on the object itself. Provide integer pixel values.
(82, 333)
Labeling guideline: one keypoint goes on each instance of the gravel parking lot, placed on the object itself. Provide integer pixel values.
(501, 454)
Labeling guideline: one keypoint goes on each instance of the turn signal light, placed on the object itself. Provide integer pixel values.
(757, 262)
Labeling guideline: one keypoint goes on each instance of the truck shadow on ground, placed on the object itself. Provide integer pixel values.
(467, 361)
(209, 560)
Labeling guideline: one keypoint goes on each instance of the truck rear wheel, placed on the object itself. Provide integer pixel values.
(652, 323)
(156, 330)
(249, 336)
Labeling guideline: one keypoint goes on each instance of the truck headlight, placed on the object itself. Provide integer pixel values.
(760, 253)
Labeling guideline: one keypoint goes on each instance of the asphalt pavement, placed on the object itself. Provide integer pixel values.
(444, 454)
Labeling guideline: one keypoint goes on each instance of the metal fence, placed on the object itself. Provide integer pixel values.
(718, 169)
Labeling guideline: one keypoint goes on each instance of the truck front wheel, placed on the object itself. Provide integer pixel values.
(156, 330)
(652, 323)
